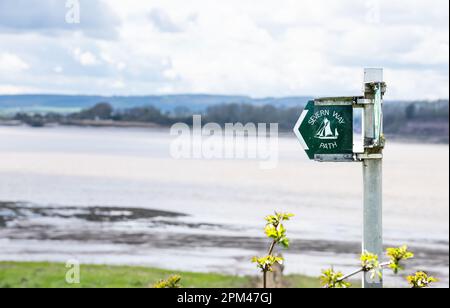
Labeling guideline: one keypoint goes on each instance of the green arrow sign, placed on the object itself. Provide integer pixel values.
(325, 129)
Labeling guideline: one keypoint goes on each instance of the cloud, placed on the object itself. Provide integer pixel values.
(11, 63)
(85, 58)
(58, 69)
(162, 21)
(314, 48)
(49, 17)
(7, 89)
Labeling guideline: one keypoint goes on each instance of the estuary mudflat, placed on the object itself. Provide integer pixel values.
(116, 196)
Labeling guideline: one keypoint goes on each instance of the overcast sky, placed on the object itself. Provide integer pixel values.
(249, 47)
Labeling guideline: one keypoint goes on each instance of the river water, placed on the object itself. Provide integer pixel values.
(206, 215)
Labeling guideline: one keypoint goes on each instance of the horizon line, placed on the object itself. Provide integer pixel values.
(201, 94)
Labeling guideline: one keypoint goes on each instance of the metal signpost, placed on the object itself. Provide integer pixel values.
(325, 130)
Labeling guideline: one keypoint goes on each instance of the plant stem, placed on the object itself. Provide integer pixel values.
(360, 271)
(351, 275)
(271, 248)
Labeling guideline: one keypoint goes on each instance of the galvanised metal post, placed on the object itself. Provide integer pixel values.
(373, 169)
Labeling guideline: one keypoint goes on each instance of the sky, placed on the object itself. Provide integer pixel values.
(257, 48)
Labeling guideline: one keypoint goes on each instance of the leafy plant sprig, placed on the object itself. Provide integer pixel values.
(173, 282)
(421, 280)
(275, 231)
(266, 263)
(397, 255)
(333, 280)
(370, 263)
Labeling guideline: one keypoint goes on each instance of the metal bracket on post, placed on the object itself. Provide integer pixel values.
(342, 158)
(366, 156)
(363, 101)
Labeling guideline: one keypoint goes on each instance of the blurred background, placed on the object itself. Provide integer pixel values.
(90, 89)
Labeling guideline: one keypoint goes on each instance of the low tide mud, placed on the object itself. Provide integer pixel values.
(154, 230)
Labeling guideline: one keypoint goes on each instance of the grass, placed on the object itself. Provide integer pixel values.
(299, 281)
(52, 275)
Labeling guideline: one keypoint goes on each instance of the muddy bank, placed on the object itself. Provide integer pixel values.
(23, 221)
(154, 232)
(10, 211)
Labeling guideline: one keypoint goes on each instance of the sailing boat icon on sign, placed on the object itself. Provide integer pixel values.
(325, 132)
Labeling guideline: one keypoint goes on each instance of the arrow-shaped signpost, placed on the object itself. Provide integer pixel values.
(325, 130)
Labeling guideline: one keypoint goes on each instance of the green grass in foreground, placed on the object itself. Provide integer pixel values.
(52, 275)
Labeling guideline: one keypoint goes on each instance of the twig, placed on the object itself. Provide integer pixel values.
(272, 247)
(360, 271)
(350, 275)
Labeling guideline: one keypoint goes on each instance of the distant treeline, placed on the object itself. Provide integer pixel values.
(221, 114)
(427, 121)
(402, 119)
